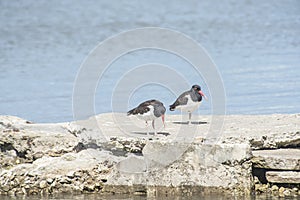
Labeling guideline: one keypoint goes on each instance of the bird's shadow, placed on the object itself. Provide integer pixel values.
(151, 133)
(186, 123)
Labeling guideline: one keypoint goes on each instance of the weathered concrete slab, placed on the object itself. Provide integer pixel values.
(23, 143)
(285, 159)
(71, 172)
(57, 157)
(195, 165)
(261, 131)
(291, 177)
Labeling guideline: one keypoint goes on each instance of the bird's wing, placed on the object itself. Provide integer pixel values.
(141, 109)
(147, 103)
(182, 99)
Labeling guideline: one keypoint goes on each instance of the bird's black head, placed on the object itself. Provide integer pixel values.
(196, 87)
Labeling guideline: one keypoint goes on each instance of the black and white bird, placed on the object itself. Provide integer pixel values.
(149, 111)
(189, 101)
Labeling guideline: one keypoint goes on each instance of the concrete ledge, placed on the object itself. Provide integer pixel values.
(284, 159)
(112, 150)
(227, 167)
(289, 177)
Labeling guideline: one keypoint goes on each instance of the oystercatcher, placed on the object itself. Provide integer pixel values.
(189, 101)
(149, 111)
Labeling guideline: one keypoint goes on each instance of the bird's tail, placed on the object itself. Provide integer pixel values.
(172, 107)
(131, 112)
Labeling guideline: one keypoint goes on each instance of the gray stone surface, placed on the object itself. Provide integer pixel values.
(205, 165)
(132, 164)
(23, 142)
(111, 151)
(283, 177)
(71, 172)
(260, 131)
(284, 159)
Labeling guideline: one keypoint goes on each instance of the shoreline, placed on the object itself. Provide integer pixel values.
(111, 153)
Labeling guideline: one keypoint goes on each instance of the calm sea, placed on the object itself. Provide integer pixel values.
(255, 45)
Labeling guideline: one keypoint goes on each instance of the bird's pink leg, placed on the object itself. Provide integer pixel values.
(153, 127)
(190, 117)
(147, 127)
(163, 120)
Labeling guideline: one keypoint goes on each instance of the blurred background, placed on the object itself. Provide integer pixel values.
(255, 45)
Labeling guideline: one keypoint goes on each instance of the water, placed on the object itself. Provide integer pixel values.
(129, 197)
(256, 46)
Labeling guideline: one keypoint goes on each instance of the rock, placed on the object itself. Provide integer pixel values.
(70, 174)
(160, 154)
(89, 188)
(285, 159)
(69, 157)
(33, 141)
(5, 188)
(108, 151)
(65, 180)
(256, 180)
(262, 188)
(283, 177)
(274, 188)
(78, 173)
(7, 122)
(24, 191)
(53, 171)
(261, 131)
(33, 191)
(49, 180)
(195, 165)
(287, 192)
(281, 190)
(43, 184)
(132, 164)
(37, 155)
(136, 149)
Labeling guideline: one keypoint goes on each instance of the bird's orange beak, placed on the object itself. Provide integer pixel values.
(202, 94)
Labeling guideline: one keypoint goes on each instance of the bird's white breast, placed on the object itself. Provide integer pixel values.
(148, 116)
(191, 106)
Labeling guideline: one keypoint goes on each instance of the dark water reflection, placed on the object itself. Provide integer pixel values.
(130, 197)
